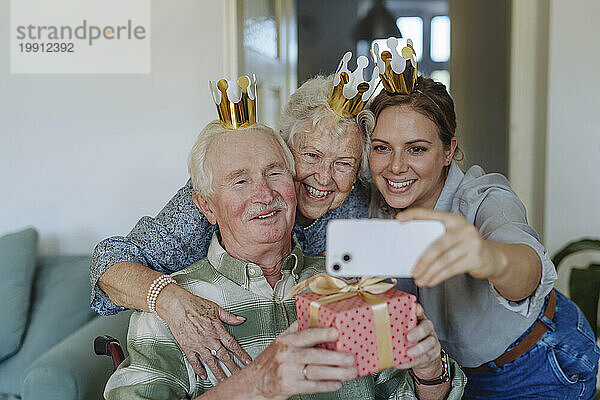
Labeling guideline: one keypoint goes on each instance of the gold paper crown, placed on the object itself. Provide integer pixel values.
(236, 105)
(350, 91)
(397, 69)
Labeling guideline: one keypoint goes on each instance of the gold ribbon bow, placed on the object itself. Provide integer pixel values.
(367, 288)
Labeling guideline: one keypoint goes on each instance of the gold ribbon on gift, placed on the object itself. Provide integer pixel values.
(367, 288)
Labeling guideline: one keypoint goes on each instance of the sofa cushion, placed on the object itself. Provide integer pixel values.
(60, 305)
(71, 370)
(18, 252)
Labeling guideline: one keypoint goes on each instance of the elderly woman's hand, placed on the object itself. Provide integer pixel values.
(292, 364)
(197, 325)
(461, 249)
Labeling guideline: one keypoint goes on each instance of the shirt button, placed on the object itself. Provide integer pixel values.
(251, 271)
(296, 276)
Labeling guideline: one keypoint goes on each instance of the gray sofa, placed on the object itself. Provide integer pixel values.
(48, 328)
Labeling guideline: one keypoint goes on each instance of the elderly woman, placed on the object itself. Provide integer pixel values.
(329, 151)
(487, 282)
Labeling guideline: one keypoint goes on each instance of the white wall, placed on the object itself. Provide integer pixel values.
(528, 105)
(573, 142)
(82, 157)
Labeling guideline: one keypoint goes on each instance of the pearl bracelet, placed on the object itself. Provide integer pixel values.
(155, 288)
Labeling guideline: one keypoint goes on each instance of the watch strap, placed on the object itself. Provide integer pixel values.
(444, 377)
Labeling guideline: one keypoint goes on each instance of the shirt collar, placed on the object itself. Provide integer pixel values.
(237, 270)
(455, 176)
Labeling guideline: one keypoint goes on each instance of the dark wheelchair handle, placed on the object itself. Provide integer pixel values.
(109, 346)
(574, 247)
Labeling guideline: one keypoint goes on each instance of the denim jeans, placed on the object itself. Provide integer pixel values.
(562, 365)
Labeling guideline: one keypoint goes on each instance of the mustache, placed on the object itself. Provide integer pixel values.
(257, 209)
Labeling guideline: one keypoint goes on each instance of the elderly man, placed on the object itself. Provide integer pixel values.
(243, 182)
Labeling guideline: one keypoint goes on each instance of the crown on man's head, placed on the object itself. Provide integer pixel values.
(236, 104)
(397, 63)
(350, 90)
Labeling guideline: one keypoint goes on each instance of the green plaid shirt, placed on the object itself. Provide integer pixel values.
(157, 369)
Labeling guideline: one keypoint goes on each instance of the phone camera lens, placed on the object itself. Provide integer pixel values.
(336, 267)
(346, 257)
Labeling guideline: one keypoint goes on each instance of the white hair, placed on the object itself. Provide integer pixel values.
(308, 110)
(366, 121)
(201, 173)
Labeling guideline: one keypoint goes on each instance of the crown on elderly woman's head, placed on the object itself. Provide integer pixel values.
(396, 60)
(350, 90)
(236, 104)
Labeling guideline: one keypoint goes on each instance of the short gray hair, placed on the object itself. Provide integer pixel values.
(201, 173)
(308, 107)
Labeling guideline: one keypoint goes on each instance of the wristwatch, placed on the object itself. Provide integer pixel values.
(444, 377)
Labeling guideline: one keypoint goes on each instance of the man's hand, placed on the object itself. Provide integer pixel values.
(197, 325)
(292, 364)
(426, 354)
(426, 349)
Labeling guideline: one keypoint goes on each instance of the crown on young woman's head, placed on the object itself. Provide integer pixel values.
(396, 60)
(236, 104)
(350, 90)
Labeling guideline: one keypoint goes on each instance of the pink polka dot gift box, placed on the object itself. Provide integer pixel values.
(372, 318)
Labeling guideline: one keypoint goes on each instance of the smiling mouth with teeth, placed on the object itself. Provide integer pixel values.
(316, 193)
(266, 215)
(399, 185)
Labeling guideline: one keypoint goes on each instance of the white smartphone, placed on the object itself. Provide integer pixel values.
(377, 247)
